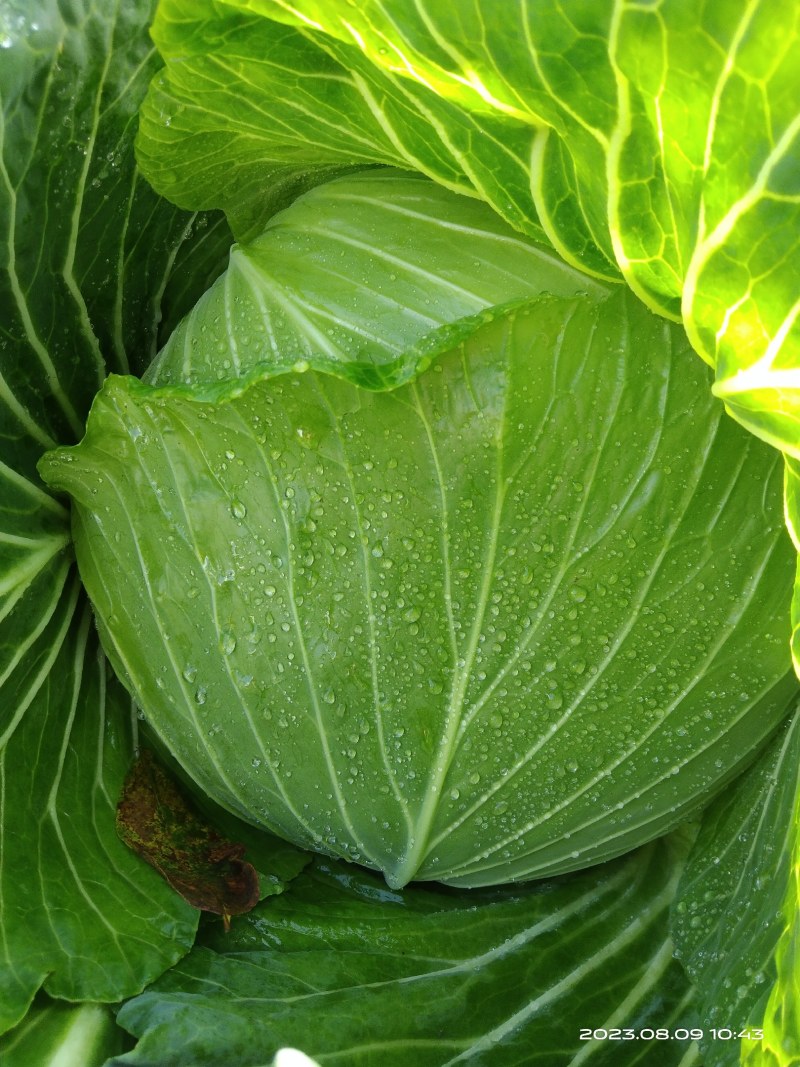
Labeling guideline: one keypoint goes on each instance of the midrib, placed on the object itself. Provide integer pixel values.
(419, 843)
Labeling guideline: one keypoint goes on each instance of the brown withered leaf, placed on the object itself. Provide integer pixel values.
(157, 821)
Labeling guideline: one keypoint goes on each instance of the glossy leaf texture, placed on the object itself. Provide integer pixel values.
(354, 275)
(535, 66)
(730, 908)
(635, 158)
(86, 253)
(665, 144)
(780, 1044)
(357, 975)
(56, 1034)
(648, 104)
(79, 913)
(440, 629)
(247, 114)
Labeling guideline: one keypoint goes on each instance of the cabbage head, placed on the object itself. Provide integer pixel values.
(466, 591)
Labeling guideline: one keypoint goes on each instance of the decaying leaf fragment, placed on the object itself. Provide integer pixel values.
(155, 819)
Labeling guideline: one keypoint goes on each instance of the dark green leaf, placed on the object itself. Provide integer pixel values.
(54, 1034)
(360, 976)
(86, 253)
(79, 913)
(736, 896)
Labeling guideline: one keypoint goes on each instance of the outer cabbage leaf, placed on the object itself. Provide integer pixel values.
(79, 915)
(780, 1043)
(247, 114)
(708, 218)
(353, 275)
(356, 975)
(648, 103)
(86, 252)
(194, 265)
(514, 617)
(62, 1035)
(729, 912)
(541, 65)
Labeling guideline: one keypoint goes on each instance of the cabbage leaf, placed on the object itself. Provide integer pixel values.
(356, 974)
(732, 891)
(439, 629)
(86, 256)
(664, 145)
(545, 149)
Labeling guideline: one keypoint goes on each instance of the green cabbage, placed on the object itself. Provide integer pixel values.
(510, 618)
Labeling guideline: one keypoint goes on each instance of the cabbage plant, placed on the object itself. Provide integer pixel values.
(367, 511)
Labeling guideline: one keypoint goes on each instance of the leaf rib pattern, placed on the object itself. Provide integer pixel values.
(606, 770)
(377, 700)
(86, 255)
(432, 593)
(86, 331)
(637, 160)
(308, 671)
(470, 953)
(464, 663)
(733, 891)
(388, 270)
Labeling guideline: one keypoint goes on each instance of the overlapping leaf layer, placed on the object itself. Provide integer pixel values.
(655, 144)
(437, 629)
